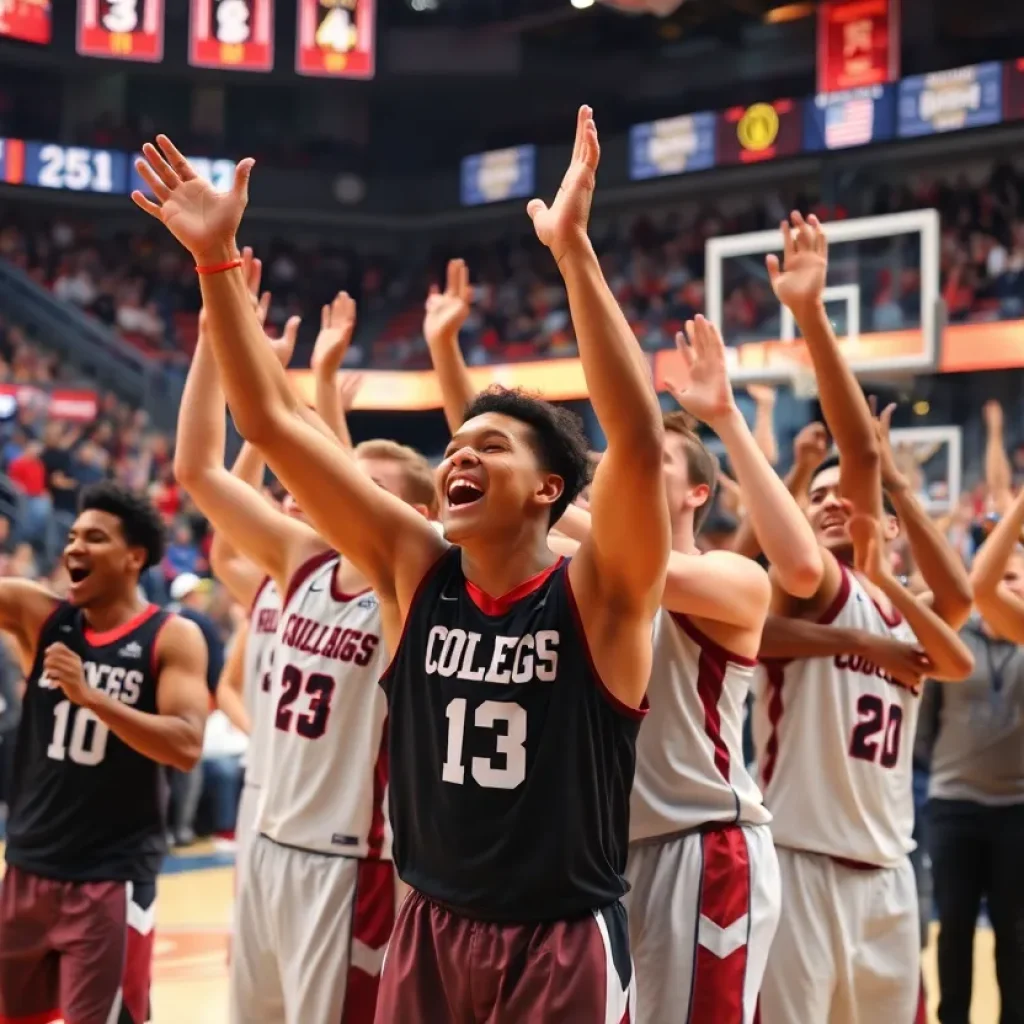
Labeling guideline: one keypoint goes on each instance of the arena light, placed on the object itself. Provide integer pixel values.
(788, 12)
(582, 5)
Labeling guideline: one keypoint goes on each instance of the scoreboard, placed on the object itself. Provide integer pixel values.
(80, 169)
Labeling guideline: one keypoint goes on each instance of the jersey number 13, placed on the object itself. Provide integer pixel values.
(511, 744)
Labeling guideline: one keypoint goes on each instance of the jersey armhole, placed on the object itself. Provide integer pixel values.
(58, 606)
(638, 714)
(416, 598)
(259, 593)
(304, 571)
(831, 613)
(707, 644)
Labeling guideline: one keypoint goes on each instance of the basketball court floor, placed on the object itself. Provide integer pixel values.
(193, 920)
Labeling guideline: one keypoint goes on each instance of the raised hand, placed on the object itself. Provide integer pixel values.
(349, 385)
(800, 281)
(447, 311)
(906, 663)
(891, 475)
(202, 219)
(563, 225)
(762, 394)
(337, 325)
(284, 346)
(810, 446)
(705, 391)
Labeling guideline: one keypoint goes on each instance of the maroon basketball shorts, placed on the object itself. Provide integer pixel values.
(77, 950)
(441, 966)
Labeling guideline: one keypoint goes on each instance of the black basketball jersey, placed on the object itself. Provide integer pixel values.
(510, 763)
(84, 805)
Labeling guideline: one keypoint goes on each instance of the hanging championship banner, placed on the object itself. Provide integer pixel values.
(27, 20)
(858, 44)
(235, 34)
(335, 38)
(121, 29)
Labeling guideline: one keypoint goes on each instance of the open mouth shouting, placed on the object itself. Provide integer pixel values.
(78, 573)
(462, 492)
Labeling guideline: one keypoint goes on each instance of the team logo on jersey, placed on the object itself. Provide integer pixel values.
(471, 656)
(132, 650)
(341, 840)
(368, 602)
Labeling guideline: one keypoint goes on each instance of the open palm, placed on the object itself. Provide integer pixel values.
(337, 325)
(704, 390)
(800, 281)
(563, 224)
(203, 220)
(447, 311)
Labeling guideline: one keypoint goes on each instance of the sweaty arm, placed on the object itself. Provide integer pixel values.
(174, 735)
(390, 543)
(274, 542)
(231, 684)
(999, 606)
(24, 607)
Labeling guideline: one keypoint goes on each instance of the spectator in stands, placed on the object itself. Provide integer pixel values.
(62, 485)
(28, 473)
(182, 557)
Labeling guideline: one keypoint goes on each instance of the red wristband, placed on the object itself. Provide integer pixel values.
(218, 268)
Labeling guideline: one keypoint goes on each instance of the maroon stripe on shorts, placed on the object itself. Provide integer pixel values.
(373, 917)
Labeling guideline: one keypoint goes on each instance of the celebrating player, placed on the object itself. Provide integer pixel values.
(317, 904)
(512, 719)
(834, 735)
(116, 689)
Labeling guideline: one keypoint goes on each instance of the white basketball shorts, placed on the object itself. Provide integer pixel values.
(703, 909)
(309, 936)
(245, 829)
(848, 946)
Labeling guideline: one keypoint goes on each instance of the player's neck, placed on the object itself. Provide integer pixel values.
(348, 579)
(113, 613)
(497, 569)
(683, 539)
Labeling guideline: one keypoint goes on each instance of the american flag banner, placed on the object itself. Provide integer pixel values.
(850, 123)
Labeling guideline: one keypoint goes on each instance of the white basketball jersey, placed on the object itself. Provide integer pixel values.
(259, 647)
(835, 740)
(326, 780)
(689, 754)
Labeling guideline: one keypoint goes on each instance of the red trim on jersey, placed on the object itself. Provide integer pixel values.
(842, 596)
(502, 605)
(375, 836)
(921, 1017)
(337, 593)
(893, 619)
(304, 571)
(46, 1017)
(705, 643)
(256, 597)
(710, 683)
(111, 636)
(373, 917)
(417, 595)
(154, 656)
(775, 669)
(618, 705)
(717, 996)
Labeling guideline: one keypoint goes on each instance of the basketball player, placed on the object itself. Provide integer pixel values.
(115, 690)
(317, 901)
(512, 719)
(834, 735)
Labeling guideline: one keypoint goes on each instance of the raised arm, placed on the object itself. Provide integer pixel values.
(231, 685)
(941, 567)
(764, 420)
(800, 285)
(998, 475)
(998, 605)
(174, 735)
(337, 325)
(621, 565)
(781, 527)
(388, 541)
(950, 658)
(446, 312)
(271, 540)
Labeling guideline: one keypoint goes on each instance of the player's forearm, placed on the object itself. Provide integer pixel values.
(199, 444)
(232, 681)
(950, 657)
(254, 381)
(998, 475)
(845, 410)
(764, 431)
(785, 638)
(990, 561)
(250, 467)
(168, 739)
(328, 406)
(453, 377)
(942, 568)
(782, 530)
(617, 373)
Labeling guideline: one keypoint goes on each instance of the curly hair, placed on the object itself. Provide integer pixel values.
(140, 522)
(557, 435)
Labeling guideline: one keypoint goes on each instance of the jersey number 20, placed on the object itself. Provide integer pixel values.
(86, 747)
(511, 744)
(875, 718)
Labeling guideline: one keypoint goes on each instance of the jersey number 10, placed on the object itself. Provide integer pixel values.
(87, 747)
